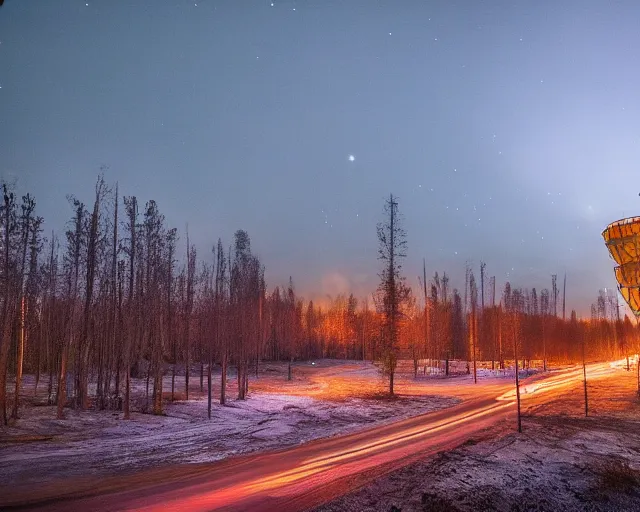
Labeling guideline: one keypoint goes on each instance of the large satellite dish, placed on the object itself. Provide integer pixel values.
(622, 238)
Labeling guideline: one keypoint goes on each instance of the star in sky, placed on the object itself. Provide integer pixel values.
(352, 158)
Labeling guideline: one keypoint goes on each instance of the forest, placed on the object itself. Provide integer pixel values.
(107, 299)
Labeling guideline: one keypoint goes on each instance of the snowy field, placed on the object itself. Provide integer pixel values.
(323, 399)
(561, 462)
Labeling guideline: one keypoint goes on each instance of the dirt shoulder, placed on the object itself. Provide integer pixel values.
(561, 462)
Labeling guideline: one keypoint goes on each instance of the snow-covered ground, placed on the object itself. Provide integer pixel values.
(561, 462)
(324, 399)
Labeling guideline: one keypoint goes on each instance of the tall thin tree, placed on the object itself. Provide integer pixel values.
(131, 206)
(392, 249)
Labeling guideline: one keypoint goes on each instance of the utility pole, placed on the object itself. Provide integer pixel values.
(515, 353)
(544, 342)
(584, 377)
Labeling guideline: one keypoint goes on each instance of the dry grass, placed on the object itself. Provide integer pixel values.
(617, 476)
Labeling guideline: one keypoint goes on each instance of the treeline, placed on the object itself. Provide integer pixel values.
(109, 300)
(477, 326)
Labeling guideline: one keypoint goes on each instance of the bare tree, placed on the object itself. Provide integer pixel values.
(219, 306)
(75, 244)
(473, 322)
(514, 306)
(28, 208)
(107, 351)
(392, 288)
(47, 319)
(244, 298)
(426, 308)
(574, 328)
(188, 308)
(131, 207)
(8, 309)
(82, 359)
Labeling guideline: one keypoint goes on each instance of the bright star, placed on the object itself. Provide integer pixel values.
(352, 158)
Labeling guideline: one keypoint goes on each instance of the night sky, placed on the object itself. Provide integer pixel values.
(510, 131)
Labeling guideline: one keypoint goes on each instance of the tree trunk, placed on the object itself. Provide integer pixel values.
(50, 384)
(474, 333)
(4, 359)
(241, 383)
(83, 346)
(7, 316)
(209, 391)
(173, 381)
(584, 378)
(223, 380)
(62, 382)
(19, 362)
(147, 387)
(127, 389)
(157, 386)
(515, 352)
(38, 364)
(186, 369)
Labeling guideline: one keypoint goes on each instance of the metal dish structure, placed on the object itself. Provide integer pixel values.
(622, 238)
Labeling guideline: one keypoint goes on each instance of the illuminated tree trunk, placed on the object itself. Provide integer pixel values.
(473, 323)
(28, 207)
(584, 370)
(20, 359)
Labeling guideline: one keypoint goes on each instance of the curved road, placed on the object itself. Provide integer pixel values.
(308, 475)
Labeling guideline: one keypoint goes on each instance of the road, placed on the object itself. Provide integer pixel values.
(308, 475)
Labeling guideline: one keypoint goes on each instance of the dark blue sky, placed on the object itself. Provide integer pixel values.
(510, 131)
